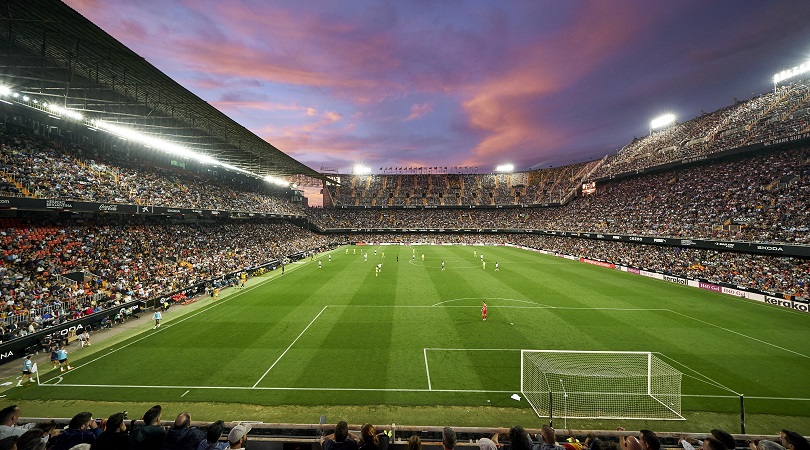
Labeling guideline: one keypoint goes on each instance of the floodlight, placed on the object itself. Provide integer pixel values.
(276, 181)
(792, 72)
(662, 121)
(361, 169)
(26, 98)
(505, 168)
(4, 90)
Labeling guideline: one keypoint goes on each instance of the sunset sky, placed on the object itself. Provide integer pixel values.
(450, 83)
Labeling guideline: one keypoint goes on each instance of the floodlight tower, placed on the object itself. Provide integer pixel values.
(505, 168)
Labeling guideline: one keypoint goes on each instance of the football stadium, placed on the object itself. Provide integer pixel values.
(167, 282)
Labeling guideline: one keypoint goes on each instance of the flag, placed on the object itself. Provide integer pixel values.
(34, 368)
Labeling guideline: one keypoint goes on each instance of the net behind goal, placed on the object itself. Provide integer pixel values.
(600, 385)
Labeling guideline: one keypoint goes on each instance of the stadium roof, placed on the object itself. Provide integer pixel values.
(52, 52)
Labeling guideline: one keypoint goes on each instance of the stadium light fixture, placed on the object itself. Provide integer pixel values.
(5, 91)
(360, 169)
(26, 98)
(792, 72)
(277, 181)
(662, 121)
(506, 168)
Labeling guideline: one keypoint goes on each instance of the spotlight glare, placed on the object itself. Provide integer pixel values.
(662, 121)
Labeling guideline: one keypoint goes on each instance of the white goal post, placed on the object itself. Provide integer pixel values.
(600, 385)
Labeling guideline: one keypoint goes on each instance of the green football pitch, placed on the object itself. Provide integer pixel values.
(412, 336)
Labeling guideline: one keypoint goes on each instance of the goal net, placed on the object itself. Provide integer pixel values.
(600, 385)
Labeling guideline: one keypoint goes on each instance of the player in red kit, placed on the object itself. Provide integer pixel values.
(484, 311)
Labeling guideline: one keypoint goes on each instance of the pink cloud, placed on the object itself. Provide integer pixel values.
(509, 107)
(419, 110)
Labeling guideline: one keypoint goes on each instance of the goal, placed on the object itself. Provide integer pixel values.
(600, 385)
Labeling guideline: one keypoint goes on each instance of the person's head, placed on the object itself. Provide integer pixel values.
(9, 443)
(711, 443)
(792, 440)
(648, 440)
(152, 415)
(341, 431)
(183, 420)
(81, 421)
(519, 438)
(31, 440)
(548, 435)
(448, 438)
(214, 431)
(238, 435)
(116, 424)
(724, 437)
(369, 434)
(414, 443)
(9, 415)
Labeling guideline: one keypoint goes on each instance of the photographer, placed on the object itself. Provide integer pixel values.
(115, 435)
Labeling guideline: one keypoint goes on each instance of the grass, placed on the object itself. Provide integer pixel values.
(342, 340)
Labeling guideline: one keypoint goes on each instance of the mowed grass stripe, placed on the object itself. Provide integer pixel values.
(365, 339)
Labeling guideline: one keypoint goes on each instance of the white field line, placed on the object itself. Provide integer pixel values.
(740, 334)
(490, 298)
(328, 389)
(427, 369)
(109, 352)
(702, 377)
(184, 393)
(290, 346)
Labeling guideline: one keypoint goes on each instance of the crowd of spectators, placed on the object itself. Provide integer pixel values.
(773, 115)
(786, 275)
(85, 432)
(551, 185)
(124, 259)
(760, 197)
(37, 167)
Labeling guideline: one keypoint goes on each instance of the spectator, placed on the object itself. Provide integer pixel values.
(115, 435)
(212, 435)
(341, 439)
(371, 440)
(182, 436)
(549, 438)
(149, 436)
(448, 438)
(9, 443)
(488, 443)
(238, 435)
(414, 443)
(32, 440)
(518, 439)
(792, 440)
(711, 443)
(82, 429)
(8, 422)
